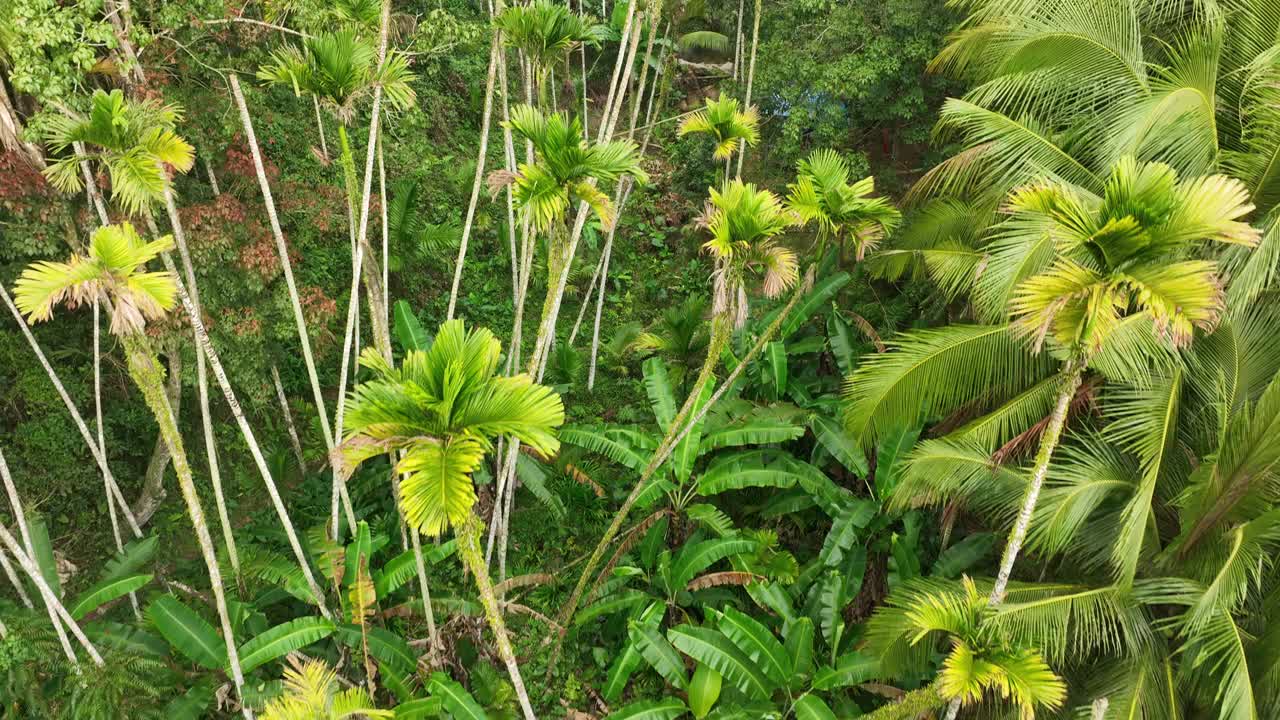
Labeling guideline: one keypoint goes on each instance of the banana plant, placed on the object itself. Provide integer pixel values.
(743, 669)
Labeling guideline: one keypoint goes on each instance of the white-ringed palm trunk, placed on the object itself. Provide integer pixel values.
(57, 611)
(324, 143)
(194, 313)
(13, 579)
(80, 424)
(386, 238)
(469, 547)
(751, 76)
(29, 547)
(283, 251)
(292, 429)
(495, 53)
(213, 179)
(148, 374)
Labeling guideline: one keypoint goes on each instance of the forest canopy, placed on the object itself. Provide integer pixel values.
(659, 359)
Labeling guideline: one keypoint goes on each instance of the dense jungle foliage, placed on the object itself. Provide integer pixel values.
(800, 359)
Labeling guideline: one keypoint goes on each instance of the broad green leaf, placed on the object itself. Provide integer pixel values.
(283, 639)
(752, 468)
(696, 557)
(821, 294)
(658, 653)
(811, 707)
(419, 709)
(361, 547)
(840, 339)
(754, 429)
(799, 644)
(758, 643)
(384, 645)
(126, 637)
(963, 555)
(191, 705)
(456, 700)
(851, 669)
(713, 648)
(658, 387)
(395, 573)
(704, 690)
(664, 709)
(630, 658)
(409, 332)
(835, 440)
(104, 592)
(609, 605)
(843, 535)
(776, 364)
(187, 632)
(126, 562)
(890, 453)
(43, 551)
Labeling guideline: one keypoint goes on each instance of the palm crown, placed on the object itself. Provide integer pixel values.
(1126, 251)
(340, 68)
(823, 195)
(114, 266)
(443, 407)
(566, 167)
(133, 140)
(546, 31)
(727, 125)
(311, 693)
(744, 224)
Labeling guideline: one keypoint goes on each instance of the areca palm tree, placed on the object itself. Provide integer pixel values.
(546, 32)
(311, 693)
(125, 134)
(565, 172)
(114, 267)
(729, 127)
(443, 408)
(1112, 283)
(823, 195)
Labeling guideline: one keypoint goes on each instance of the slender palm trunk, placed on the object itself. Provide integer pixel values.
(737, 41)
(213, 179)
(751, 76)
(153, 492)
(495, 53)
(469, 547)
(287, 265)
(102, 441)
(195, 314)
(94, 449)
(586, 298)
(57, 611)
(324, 142)
(24, 530)
(287, 413)
(386, 238)
(13, 580)
(676, 432)
(148, 374)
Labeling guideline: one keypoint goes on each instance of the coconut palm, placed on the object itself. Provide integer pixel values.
(311, 693)
(1114, 283)
(843, 211)
(114, 267)
(443, 408)
(728, 126)
(1067, 88)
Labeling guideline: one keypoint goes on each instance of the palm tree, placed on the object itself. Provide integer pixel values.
(341, 69)
(545, 33)
(1111, 283)
(728, 126)
(311, 693)
(442, 408)
(114, 267)
(116, 131)
(822, 194)
(751, 68)
(1068, 89)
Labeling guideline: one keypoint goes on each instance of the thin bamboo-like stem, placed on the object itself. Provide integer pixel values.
(285, 410)
(202, 380)
(586, 298)
(751, 76)
(51, 603)
(13, 579)
(287, 265)
(78, 419)
(324, 142)
(481, 154)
